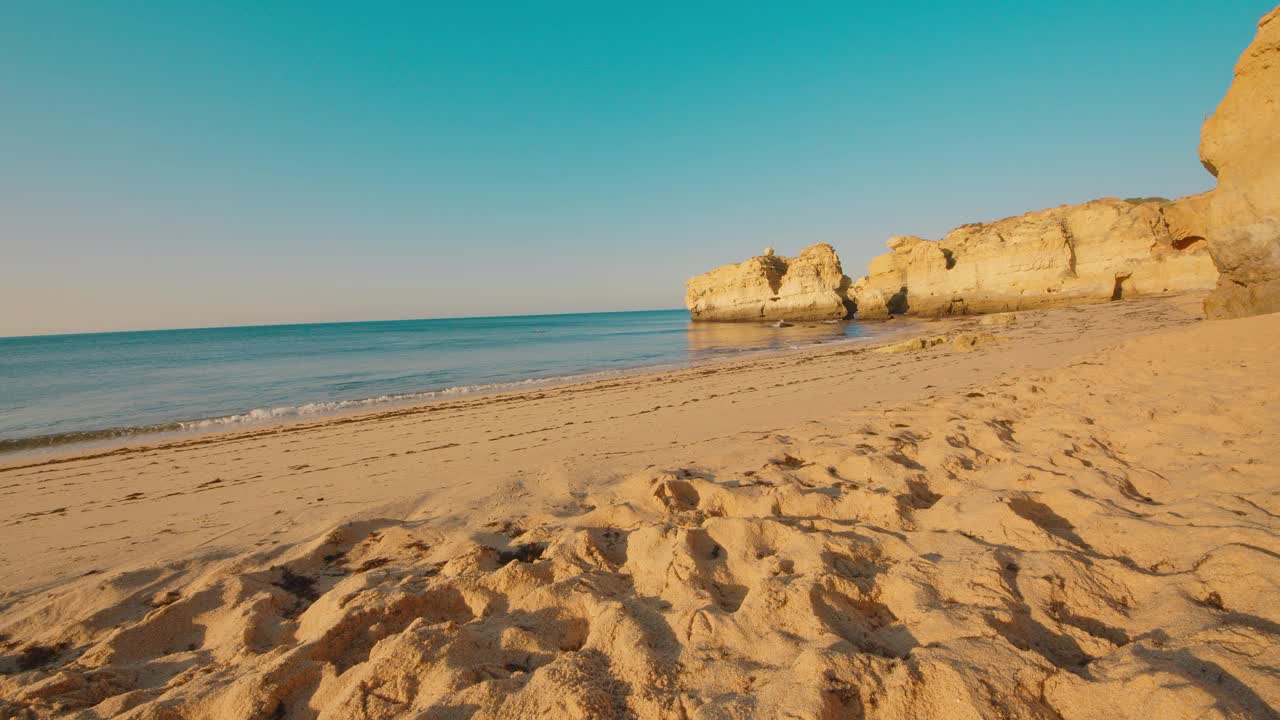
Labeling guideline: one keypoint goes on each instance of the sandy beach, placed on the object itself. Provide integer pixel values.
(1061, 513)
(541, 362)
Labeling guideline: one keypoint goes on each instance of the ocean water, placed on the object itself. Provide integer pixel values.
(62, 389)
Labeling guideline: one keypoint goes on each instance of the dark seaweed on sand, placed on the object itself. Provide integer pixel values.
(526, 553)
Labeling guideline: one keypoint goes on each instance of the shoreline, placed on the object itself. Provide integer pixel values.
(107, 440)
(451, 429)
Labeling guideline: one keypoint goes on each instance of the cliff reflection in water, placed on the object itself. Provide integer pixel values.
(711, 339)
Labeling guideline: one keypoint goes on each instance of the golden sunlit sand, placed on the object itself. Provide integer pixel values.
(1076, 519)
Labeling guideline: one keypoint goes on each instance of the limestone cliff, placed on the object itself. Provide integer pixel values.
(1240, 145)
(1101, 250)
(809, 286)
(1108, 249)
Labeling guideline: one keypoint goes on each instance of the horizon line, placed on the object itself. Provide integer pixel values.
(325, 322)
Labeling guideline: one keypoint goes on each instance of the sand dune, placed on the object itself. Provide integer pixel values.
(1079, 518)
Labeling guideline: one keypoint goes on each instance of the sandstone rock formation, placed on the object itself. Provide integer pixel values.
(810, 286)
(959, 342)
(1107, 249)
(1240, 145)
(1101, 250)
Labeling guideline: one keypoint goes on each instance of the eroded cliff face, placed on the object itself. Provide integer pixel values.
(1227, 239)
(809, 286)
(1240, 144)
(1102, 250)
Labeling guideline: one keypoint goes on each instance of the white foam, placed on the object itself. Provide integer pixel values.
(259, 415)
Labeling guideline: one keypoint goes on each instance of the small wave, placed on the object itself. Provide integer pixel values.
(258, 415)
(263, 415)
(52, 440)
(286, 412)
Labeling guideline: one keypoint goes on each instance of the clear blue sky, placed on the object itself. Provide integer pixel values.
(206, 163)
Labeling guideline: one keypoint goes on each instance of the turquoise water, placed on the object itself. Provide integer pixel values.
(78, 388)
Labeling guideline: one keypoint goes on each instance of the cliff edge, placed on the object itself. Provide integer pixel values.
(1240, 145)
(1102, 250)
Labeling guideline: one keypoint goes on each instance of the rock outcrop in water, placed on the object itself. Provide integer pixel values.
(810, 286)
(1101, 250)
(1240, 145)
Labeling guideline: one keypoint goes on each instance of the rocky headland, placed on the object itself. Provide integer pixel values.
(1226, 239)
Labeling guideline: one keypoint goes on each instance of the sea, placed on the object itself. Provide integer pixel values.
(58, 390)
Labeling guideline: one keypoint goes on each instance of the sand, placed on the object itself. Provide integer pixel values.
(1069, 513)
